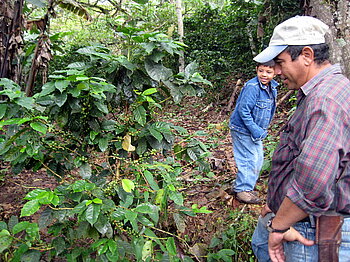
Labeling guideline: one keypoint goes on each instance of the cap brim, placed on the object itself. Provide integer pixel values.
(269, 53)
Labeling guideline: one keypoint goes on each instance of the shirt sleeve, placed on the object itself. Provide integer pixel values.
(245, 109)
(320, 150)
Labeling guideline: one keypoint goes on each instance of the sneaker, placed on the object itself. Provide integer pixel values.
(248, 197)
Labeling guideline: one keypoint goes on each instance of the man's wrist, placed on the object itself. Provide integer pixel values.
(271, 229)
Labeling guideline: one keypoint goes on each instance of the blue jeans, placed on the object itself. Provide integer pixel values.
(249, 158)
(295, 251)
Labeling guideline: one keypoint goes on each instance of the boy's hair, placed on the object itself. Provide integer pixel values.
(270, 63)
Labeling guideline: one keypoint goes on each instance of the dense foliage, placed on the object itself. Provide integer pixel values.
(91, 121)
(224, 40)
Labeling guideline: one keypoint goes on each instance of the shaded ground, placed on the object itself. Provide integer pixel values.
(211, 191)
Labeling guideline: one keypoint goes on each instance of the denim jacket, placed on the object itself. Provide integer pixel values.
(255, 107)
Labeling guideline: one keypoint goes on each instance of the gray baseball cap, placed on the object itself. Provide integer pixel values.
(298, 30)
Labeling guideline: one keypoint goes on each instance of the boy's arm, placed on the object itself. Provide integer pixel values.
(245, 108)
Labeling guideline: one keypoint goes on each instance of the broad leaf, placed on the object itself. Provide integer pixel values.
(61, 85)
(140, 115)
(180, 222)
(177, 198)
(59, 245)
(5, 240)
(92, 212)
(170, 246)
(158, 71)
(103, 144)
(38, 3)
(60, 99)
(156, 134)
(26, 102)
(128, 185)
(142, 2)
(147, 250)
(30, 207)
(85, 171)
(38, 126)
(3, 108)
(144, 208)
(149, 91)
(149, 177)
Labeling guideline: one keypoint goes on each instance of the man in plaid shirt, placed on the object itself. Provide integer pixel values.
(308, 176)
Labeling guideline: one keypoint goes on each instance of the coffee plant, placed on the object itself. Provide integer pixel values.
(94, 127)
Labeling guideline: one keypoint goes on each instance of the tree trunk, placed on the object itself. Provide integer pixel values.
(336, 14)
(180, 29)
(11, 40)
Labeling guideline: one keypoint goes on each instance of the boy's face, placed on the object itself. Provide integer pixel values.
(265, 73)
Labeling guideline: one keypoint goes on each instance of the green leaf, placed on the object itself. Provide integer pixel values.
(149, 91)
(101, 106)
(160, 196)
(226, 254)
(149, 177)
(19, 253)
(26, 102)
(177, 198)
(59, 245)
(81, 207)
(147, 250)
(130, 215)
(102, 225)
(92, 212)
(12, 222)
(85, 171)
(38, 126)
(20, 227)
(3, 108)
(3, 225)
(128, 185)
(60, 99)
(112, 246)
(79, 186)
(140, 115)
(97, 201)
(157, 71)
(30, 207)
(180, 222)
(103, 144)
(5, 240)
(142, 2)
(47, 88)
(38, 3)
(61, 85)
(34, 194)
(170, 246)
(32, 256)
(156, 134)
(200, 210)
(144, 208)
(46, 218)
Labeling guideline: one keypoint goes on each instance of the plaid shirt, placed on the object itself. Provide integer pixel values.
(314, 148)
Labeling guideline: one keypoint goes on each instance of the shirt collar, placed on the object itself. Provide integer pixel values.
(309, 86)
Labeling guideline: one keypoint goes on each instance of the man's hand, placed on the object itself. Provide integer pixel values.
(276, 240)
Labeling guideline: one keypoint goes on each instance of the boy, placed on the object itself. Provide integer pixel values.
(249, 121)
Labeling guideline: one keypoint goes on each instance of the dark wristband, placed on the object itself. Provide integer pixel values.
(273, 230)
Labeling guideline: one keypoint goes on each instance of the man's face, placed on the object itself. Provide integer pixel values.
(265, 73)
(293, 73)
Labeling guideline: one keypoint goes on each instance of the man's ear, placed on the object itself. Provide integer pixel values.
(308, 55)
